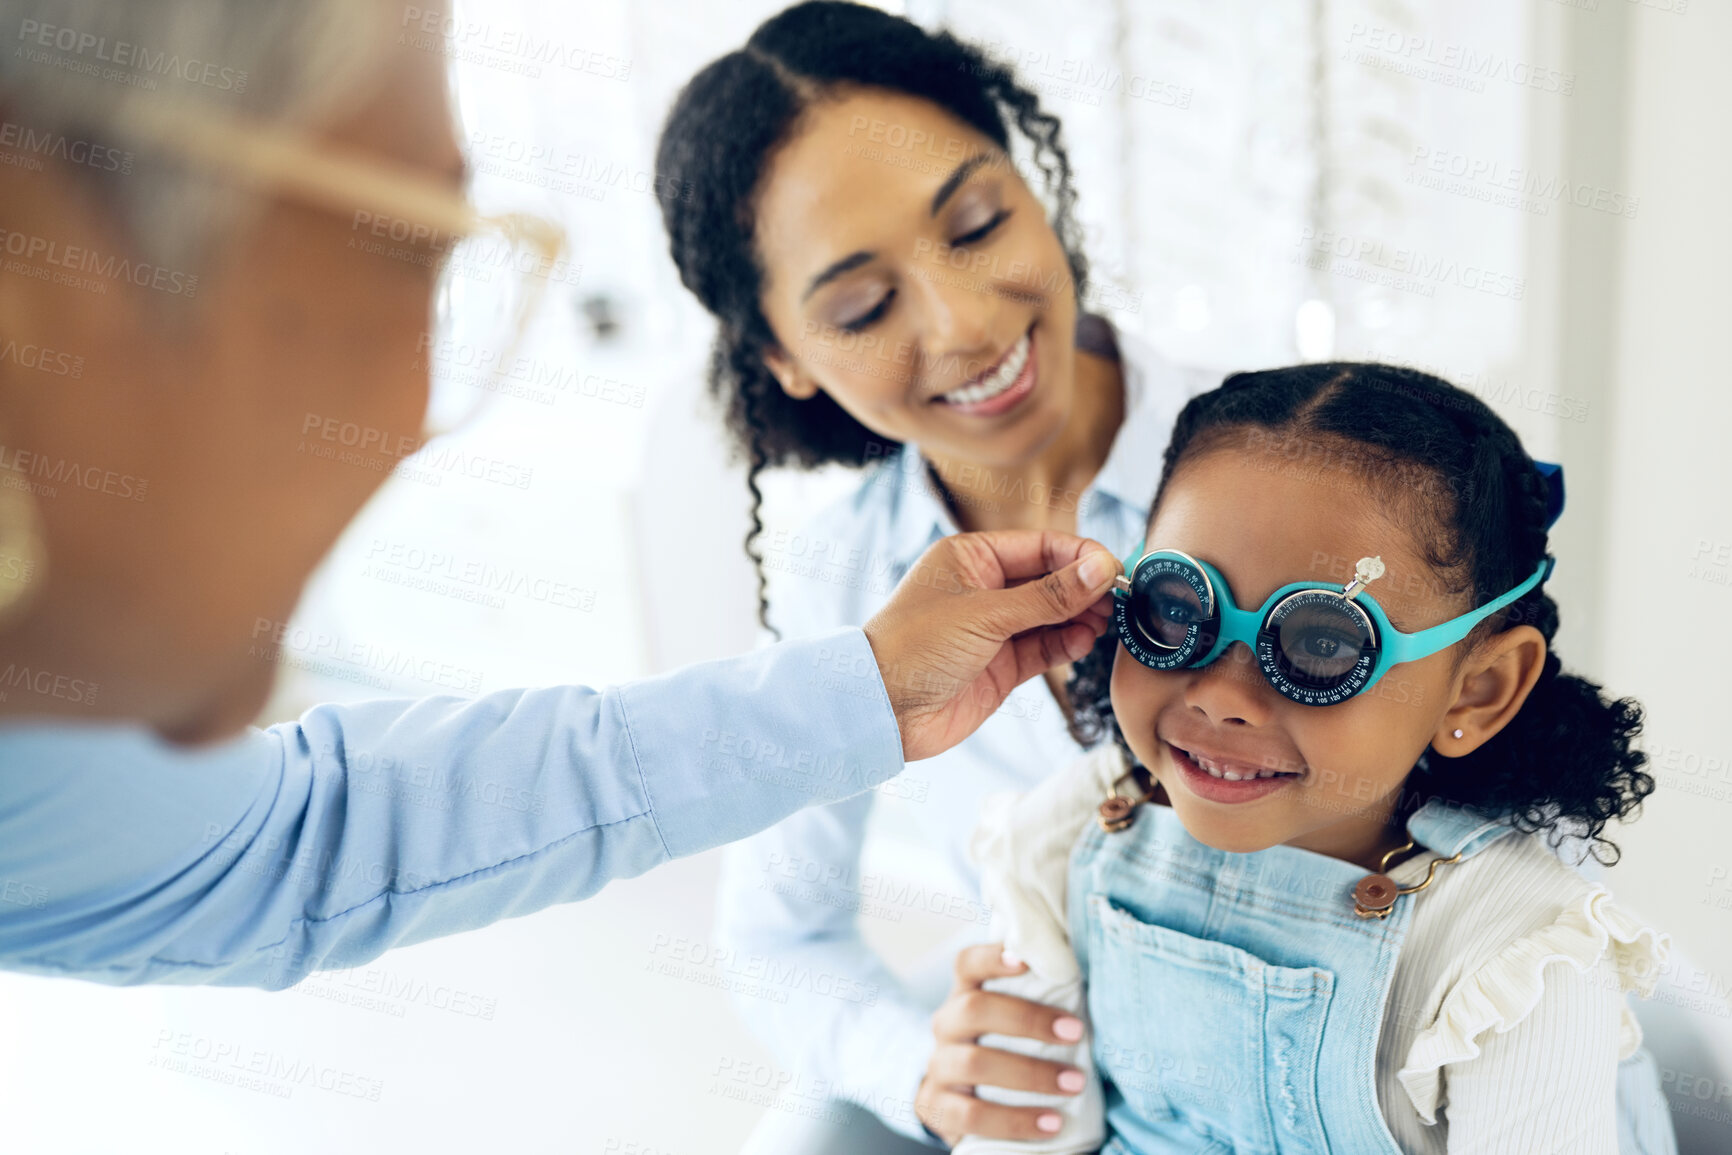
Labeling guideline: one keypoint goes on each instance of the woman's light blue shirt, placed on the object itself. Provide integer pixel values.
(796, 894)
(324, 842)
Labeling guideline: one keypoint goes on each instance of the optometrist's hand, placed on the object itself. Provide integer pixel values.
(946, 1103)
(978, 615)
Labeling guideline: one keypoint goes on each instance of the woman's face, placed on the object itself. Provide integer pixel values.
(912, 276)
(1340, 766)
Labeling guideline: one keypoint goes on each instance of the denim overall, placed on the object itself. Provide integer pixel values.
(1237, 999)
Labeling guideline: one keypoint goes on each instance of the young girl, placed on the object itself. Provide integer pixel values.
(1308, 897)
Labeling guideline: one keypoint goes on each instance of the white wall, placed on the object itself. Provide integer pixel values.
(1664, 612)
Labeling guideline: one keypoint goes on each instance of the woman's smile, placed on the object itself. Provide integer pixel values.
(1001, 387)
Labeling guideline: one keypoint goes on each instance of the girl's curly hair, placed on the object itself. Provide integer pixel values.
(723, 128)
(1566, 763)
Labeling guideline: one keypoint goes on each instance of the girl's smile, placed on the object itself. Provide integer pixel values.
(1221, 779)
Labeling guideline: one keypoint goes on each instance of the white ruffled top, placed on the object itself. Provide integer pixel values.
(1508, 1001)
(1506, 1017)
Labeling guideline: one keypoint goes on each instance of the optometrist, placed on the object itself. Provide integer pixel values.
(185, 312)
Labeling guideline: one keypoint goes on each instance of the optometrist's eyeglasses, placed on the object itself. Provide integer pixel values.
(493, 271)
(1316, 644)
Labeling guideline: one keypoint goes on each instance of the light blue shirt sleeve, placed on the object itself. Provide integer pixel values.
(325, 842)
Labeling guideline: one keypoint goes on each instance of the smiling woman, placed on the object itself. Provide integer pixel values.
(951, 299)
(891, 291)
(876, 259)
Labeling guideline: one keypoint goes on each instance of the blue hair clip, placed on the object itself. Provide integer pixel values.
(1554, 477)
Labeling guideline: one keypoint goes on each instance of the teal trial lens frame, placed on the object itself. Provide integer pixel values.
(1317, 644)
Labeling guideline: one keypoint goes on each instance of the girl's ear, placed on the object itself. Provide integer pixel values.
(1491, 687)
(793, 380)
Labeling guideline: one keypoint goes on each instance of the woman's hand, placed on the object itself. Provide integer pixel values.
(978, 615)
(946, 1102)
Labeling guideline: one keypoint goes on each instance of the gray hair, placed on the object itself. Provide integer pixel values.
(70, 69)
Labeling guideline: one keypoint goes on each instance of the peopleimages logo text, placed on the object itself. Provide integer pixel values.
(134, 57)
(28, 247)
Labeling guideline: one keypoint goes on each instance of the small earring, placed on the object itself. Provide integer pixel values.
(1456, 734)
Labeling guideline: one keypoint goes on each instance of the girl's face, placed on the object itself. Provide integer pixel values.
(912, 276)
(1263, 525)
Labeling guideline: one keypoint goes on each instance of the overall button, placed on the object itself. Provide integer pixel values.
(1375, 893)
(1115, 814)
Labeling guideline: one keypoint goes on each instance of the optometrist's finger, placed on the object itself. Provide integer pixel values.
(1060, 597)
(1020, 554)
(1101, 606)
(952, 1113)
(1040, 650)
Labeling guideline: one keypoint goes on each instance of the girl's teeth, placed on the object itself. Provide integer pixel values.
(1214, 771)
(995, 382)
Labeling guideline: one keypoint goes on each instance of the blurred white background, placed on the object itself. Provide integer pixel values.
(1248, 169)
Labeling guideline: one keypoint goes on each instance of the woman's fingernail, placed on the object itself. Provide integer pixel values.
(1068, 1029)
(1071, 1081)
(1049, 1123)
(1010, 958)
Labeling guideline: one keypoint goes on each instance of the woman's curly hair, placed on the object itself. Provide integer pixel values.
(1478, 507)
(723, 128)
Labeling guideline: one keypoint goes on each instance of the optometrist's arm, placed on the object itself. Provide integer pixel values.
(324, 842)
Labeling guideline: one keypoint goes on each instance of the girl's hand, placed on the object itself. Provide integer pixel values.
(946, 1102)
